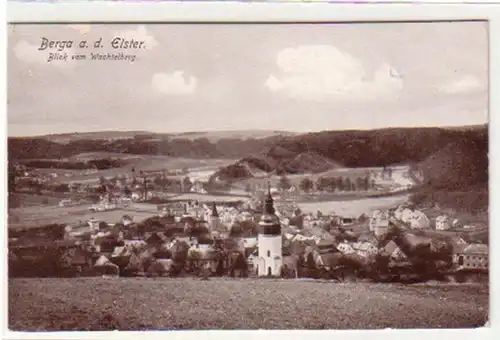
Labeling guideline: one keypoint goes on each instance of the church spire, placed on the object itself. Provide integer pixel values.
(215, 213)
(269, 203)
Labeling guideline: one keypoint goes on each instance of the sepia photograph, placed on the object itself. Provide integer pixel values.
(245, 176)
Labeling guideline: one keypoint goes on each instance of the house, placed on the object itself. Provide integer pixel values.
(198, 187)
(249, 242)
(65, 202)
(94, 223)
(105, 267)
(76, 257)
(472, 256)
(405, 215)
(365, 249)
(347, 221)
(127, 220)
(155, 239)
(395, 253)
(379, 219)
(457, 223)
(161, 267)
(121, 256)
(326, 246)
(329, 261)
(345, 248)
(458, 242)
(203, 257)
(290, 266)
(443, 223)
(419, 220)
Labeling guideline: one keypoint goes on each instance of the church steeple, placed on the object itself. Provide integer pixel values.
(215, 213)
(270, 243)
(269, 202)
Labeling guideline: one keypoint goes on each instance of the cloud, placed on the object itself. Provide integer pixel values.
(174, 83)
(140, 34)
(30, 53)
(465, 84)
(321, 72)
(81, 28)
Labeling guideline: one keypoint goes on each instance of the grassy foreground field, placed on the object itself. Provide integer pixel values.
(189, 303)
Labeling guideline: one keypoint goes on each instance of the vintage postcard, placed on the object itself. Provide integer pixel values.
(182, 176)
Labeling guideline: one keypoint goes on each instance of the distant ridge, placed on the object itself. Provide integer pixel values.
(212, 136)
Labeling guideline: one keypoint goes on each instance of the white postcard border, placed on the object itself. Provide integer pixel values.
(274, 12)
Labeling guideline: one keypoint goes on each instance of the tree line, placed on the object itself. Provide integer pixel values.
(328, 184)
(350, 148)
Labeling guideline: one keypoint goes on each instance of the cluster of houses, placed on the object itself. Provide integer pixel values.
(464, 255)
(193, 238)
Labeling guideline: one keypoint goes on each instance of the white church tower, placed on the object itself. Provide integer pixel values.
(269, 241)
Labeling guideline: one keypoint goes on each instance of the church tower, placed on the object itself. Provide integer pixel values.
(214, 220)
(269, 241)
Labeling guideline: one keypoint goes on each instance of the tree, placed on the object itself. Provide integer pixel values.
(322, 183)
(347, 184)
(340, 184)
(102, 180)
(248, 188)
(311, 265)
(158, 180)
(332, 184)
(127, 192)
(186, 184)
(366, 182)
(284, 183)
(306, 184)
(359, 183)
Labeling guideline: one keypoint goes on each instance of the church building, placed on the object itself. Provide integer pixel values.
(270, 254)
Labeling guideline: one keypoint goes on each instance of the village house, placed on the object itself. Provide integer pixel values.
(443, 223)
(379, 223)
(127, 220)
(198, 187)
(365, 249)
(345, 248)
(394, 252)
(403, 214)
(205, 257)
(419, 220)
(472, 256)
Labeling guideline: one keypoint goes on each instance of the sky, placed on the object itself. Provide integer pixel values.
(293, 77)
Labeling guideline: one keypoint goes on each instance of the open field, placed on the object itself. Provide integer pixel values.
(38, 215)
(139, 162)
(43, 215)
(188, 303)
(354, 207)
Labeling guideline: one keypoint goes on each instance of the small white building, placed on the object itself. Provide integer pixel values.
(379, 222)
(419, 220)
(443, 223)
(365, 249)
(345, 248)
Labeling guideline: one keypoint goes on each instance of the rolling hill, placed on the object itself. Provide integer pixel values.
(213, 136)
(452, 158)
(458, 165)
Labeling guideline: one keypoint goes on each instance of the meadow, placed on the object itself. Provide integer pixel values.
(138, 162)
(38, 215)
(225, 303)
(354, 207)
(43, 215)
